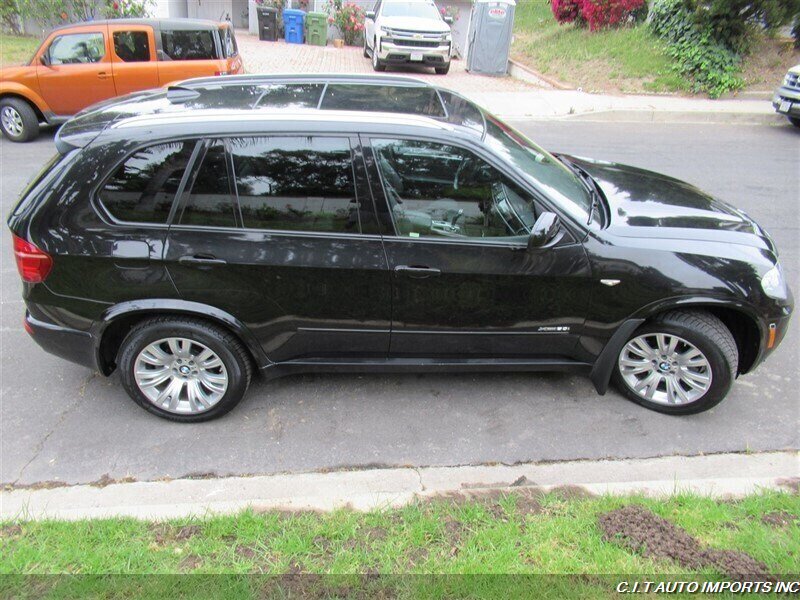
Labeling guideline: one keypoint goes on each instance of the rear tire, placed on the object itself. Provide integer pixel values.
(18, 120)
(794, 121)
(218, 369)
(702, 336)
(442, 70)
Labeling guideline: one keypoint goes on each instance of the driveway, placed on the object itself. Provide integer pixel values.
(59, 421)
(280, 57)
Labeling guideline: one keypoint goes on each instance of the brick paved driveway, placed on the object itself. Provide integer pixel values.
(280, 57)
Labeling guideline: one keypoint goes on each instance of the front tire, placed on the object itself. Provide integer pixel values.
(366, 48)
(442, 70)
(18, 120)
(794, 121)
(682, 362)
(183, 369)
(377, 63)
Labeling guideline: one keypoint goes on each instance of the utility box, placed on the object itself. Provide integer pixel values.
(489, 38)
(317, 29)
(267, 23)
(294, 25)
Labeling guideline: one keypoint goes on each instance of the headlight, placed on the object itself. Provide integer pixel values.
(774, 284)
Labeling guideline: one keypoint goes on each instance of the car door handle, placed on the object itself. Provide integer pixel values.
(417, 271)
(201, 259)
(104, 75)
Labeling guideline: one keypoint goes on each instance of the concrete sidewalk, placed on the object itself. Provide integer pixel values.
(524, 96)
(718, 475)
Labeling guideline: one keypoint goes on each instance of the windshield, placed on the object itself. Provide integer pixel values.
(545, 170)
(422, 10)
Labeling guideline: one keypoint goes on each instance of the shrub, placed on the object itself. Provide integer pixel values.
(730, 21)
(608, 13)
(597, 14)
(566, 11)
(348, 18)
(712, 66)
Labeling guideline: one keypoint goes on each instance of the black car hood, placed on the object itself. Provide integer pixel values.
(647, 204)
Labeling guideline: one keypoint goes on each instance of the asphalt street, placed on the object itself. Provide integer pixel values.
(61, 422)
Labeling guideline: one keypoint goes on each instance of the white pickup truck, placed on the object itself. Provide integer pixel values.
(408, 32)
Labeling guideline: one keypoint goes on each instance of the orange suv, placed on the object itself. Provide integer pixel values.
(78, 65)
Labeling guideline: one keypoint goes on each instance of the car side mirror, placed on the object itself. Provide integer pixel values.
(544, 230)
(45, 60)
(370, 14)
(448, 20)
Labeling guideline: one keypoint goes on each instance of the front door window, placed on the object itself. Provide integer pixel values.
(440, 190)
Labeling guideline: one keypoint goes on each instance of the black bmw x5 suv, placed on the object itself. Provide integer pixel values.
(191, 237)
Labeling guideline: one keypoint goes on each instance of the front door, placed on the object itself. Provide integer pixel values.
(133, 56)
(76, 70)
(280, 233)
(464, 283)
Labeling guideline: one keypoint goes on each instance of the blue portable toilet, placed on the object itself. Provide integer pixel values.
(294, 25)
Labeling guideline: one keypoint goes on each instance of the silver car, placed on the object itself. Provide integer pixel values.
(398, 32)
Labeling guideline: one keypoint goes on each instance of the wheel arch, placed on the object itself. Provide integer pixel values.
(116, 322)
(38, 106)
(740, 319)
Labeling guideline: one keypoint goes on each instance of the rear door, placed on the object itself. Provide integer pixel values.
(133, 56)
(280, 232)
(78, 69)
(186, 53)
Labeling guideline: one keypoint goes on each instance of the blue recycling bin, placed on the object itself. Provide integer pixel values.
(294, 25)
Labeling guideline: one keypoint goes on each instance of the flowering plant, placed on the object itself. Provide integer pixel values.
(450, 11)
(598, 14)
(126, 8)
(348, 19)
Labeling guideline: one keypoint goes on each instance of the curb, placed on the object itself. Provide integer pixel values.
(720, 475)
(524, 73)
(660, 116)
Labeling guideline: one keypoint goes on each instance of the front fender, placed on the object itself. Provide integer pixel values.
(171, 306)
(12, 88)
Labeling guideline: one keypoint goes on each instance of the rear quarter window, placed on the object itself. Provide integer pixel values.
(142, 189)
(188, 44)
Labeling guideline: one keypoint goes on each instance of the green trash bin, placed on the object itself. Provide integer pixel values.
(317, 29)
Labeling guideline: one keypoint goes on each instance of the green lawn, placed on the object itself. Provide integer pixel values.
(510, 534)
(16, 50)
(629, 59)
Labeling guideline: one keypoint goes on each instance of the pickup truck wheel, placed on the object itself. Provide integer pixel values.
(443, 70)
(377, 63)
(366, 48)
(18, 120)
(682, 362)
(794, 121)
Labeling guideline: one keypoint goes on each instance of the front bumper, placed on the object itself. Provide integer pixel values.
(399, 50)
(787, 101)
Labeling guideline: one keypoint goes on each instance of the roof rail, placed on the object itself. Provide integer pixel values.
(306, 78)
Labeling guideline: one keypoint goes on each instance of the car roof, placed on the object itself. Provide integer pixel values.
(173, 24)
(325, 102)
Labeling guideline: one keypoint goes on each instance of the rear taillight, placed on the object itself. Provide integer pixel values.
(33, 264)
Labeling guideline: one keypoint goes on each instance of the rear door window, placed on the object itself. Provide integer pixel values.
(142, 188)
(132, 46)
(296, 183)
(188, 44)
(209, 202)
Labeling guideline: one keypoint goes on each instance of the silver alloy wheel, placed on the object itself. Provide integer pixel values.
(180, 375)
(12, 121)
(665, 369)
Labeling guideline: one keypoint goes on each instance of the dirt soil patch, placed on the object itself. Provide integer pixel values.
(166, 534)
(766, 65)
(639, 530)
(780, 519)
